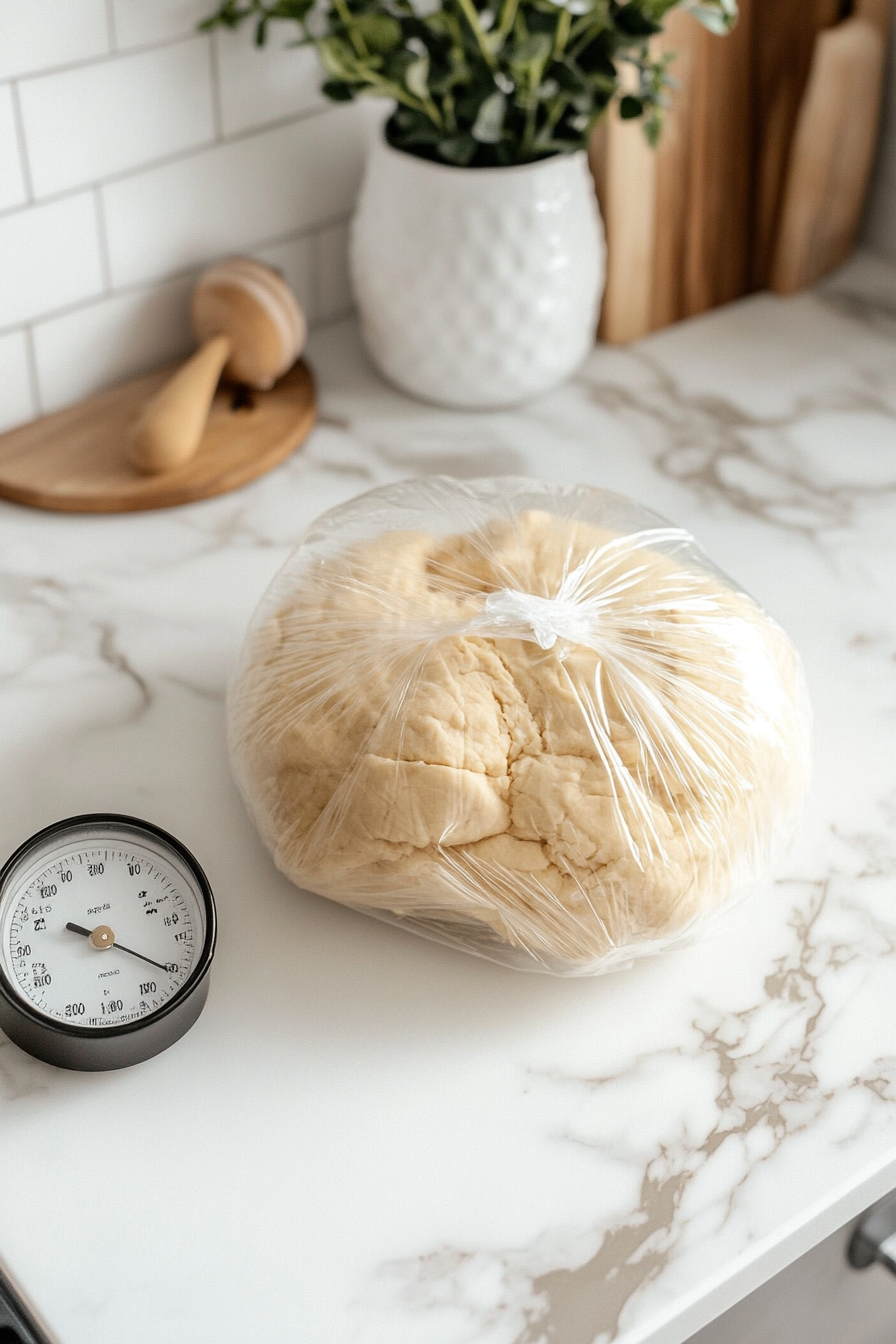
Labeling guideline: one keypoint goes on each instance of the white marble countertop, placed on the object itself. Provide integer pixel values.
(368, 1138)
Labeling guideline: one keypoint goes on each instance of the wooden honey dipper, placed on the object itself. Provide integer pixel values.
(250, 326)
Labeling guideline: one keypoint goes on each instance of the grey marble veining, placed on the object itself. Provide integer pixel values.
(369, 1138)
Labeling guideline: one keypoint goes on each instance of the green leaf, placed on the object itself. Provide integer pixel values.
(653, 126)
(485, 82)
(380, 32)
(295, 10)
(286, 9)
(633, 22)
(339, 90)
(229, 15)
(408, 127)
(719, 16)
(417, 76)
(532, 51)
(338, 59)
(457, 149)
(489, 121)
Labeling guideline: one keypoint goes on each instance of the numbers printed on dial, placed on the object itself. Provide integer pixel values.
(154, 917)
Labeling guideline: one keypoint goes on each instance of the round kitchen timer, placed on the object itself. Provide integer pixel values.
(107, 932)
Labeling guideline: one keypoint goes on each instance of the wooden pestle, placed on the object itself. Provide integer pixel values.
(250, 328)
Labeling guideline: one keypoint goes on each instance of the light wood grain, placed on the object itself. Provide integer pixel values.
(702, 221)
(832, 154)
(75, 461)
(717, 250)
(678, 218)
(626, 187)
(877, 12)
(784, 33)
(246, 317)
(172, 423)
(673, 171)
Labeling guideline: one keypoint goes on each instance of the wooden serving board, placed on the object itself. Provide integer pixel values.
(833, 149)
(75, 460)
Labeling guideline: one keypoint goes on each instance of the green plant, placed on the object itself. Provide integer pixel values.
(479, 83)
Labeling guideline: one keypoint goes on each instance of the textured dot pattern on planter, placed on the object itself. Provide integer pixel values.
(477, 287)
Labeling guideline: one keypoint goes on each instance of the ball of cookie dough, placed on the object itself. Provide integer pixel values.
(530, 721)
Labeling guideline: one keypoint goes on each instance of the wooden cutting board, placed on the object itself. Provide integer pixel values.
(75, 460)
(704, 219)
(833, 149)
(677, 218)
(784, 34)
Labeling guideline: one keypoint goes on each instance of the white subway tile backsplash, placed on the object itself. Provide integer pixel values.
(12, 178)
(151, 150)
(16, 404)
(85, 124)
(40, 34)
(49, 258)
(101, 344)
(293, 261)
(143, 21)
(332, 287)
(235, 195)
(260, 84)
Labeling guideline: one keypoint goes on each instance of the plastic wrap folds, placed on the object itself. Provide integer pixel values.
(531, 721)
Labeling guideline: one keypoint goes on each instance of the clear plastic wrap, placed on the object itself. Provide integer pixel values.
(531, 721)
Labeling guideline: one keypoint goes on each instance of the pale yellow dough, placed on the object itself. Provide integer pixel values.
(580, 802)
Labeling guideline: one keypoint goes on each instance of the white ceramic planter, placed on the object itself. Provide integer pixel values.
(477, 287)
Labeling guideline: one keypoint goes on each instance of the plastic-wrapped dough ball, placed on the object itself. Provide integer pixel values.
(531, 721)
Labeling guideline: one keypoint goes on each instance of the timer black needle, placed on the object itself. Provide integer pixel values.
(76, 928)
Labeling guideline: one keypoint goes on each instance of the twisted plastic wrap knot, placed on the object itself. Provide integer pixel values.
(544, 619)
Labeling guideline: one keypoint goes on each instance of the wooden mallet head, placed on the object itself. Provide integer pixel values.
(250, 327)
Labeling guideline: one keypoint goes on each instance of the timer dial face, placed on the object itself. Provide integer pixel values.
(101, 926)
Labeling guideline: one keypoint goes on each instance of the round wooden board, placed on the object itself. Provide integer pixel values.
(76, 460)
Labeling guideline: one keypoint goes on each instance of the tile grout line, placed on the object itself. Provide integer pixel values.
(118, 53)
(19, 124)
(332, 318)
(110, 26)
(314, 273)
(339, 309)
(176, 156)
(217, 104)
(105, 259)
(315, 323)
(293, 237)
(171, 277)
(33, 379)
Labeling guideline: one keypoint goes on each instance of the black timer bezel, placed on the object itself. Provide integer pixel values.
(93, 1049)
